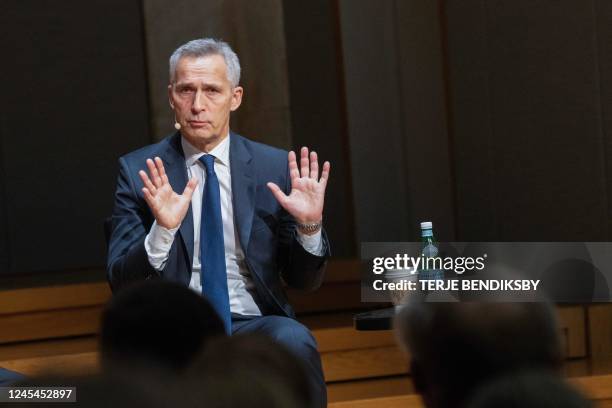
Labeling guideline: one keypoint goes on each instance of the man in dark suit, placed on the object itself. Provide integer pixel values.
(226, 216)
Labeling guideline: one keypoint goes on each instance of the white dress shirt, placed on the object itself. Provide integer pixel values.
(239, 280)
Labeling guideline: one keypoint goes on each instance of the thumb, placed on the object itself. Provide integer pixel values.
(280, 196)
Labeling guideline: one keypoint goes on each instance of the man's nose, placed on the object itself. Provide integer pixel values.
(199, 103)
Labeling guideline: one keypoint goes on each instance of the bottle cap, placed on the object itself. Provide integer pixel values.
(427, 225)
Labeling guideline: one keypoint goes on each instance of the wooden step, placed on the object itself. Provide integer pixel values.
(577, 369)
(346, 354)
(51, 347)
(337, 365)
(369, 388)
(598, 389)
(386, 391)
(75, 310)
(64, 364)
(363, 363)
(401, 401)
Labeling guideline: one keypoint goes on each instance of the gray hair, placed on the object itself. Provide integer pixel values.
(204, 47)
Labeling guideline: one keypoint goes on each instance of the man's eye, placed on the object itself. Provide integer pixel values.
(212, 90)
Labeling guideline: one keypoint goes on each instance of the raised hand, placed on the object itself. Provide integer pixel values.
(168, 207)
(305, 201)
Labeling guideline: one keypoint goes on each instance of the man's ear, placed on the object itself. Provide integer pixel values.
(236, 98)
(170, 96)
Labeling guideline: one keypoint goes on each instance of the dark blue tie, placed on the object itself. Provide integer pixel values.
(212, 249)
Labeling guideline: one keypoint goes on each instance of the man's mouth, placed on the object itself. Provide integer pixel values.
(198, 123)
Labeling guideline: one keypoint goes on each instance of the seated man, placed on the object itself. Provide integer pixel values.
(226, 216)
(455, 347)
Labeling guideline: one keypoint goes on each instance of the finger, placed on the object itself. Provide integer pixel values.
(190, 188)
(293, 168)
(278, 194)
(162, 171)
(314, 166)
(325, 173)
(147, 182)
(148, 197)
(154, 174)
(304, 162)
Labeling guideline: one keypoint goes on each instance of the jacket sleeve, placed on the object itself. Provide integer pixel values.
(127, 258)
(299, 268)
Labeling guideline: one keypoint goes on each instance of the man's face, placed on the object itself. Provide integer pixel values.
(202, 98)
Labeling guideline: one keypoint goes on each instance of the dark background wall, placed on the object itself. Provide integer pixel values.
(73, 100)
(399, 147)
(490, 118)
(528, 101)
(318, 112)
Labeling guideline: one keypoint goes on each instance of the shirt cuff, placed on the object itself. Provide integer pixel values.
(158, 243)
(311, 243)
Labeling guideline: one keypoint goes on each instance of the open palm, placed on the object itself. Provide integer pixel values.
(306, 199)
(168, 207)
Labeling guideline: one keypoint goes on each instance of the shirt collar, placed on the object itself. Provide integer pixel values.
(192, 153)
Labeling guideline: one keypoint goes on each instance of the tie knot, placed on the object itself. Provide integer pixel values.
(209, 162)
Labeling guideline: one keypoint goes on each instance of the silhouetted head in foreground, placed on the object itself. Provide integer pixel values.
(156, 323)
(528, 390)
(456, 347)
(247, 371)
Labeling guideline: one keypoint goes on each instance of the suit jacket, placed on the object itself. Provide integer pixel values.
(265, 230)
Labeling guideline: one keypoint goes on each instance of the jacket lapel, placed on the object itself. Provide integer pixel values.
(174, 163)
(243, 188)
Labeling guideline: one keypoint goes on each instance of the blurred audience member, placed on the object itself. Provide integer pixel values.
(156, 323)
(456, 347)
(528, 390)
(248, 371)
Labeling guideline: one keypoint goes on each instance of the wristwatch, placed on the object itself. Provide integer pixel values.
(310, 228)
